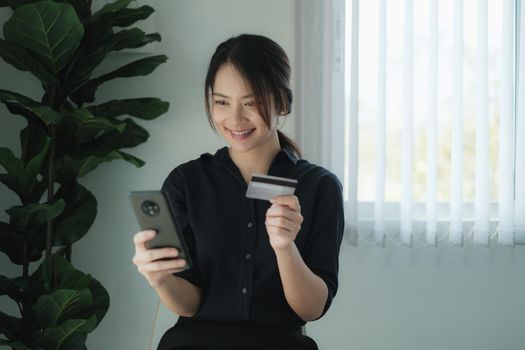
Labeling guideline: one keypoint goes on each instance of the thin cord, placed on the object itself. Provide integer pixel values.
(154, 325)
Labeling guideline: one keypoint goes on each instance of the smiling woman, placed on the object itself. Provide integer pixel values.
(261, 269)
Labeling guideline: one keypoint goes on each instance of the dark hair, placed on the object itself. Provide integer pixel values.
(265, 65)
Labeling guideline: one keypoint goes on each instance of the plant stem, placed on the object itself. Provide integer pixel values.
(25, 271)
(68, 252)
(50, 191)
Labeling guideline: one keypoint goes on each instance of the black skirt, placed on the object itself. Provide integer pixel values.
(191, 333)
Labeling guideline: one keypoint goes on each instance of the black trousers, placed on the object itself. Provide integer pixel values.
(189, 333)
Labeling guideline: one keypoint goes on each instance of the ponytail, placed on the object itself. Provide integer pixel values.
(286, 141)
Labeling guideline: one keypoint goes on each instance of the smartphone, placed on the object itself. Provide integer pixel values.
(153, 212)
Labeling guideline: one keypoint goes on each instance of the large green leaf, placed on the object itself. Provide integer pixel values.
(62, 304)
(132, 136)
(127, 16)
(7, 287)
(26, 174)
(133, 38)
(12, 244)
(137, 68)
(12, 183)
(22, 60)
(15, 172)
(78, 216)
(111, 8)
(32, 141)
(143, 108)
(67, 277)
(80, 126)
(32, 118)
(104, 149)
(9, 325)
(97, 42)
(69, 335)
(82, 7)
(45, 113)
(22, 289)
(132, 159)
(90, 163)
(50, 31)
(13, 165)
(14, 344)
(100, 303)
(140, 67)
(123, 16)
(33, 167)
(28, 219)
(22, 178)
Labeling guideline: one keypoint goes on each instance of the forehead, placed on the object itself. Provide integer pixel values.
(229, 81)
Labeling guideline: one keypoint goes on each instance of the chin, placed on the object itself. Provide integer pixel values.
(241, 149)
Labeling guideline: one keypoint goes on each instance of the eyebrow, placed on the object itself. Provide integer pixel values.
(224, 96)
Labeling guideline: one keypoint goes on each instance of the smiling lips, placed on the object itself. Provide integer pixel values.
(241, 134)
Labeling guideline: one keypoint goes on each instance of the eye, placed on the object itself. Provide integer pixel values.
(220, 102)
(250, 104)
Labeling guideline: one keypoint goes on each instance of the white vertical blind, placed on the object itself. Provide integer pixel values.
(506, 135)
(337, 134)
(520, 131)
(456, 202)
(432, 125)
(457, 88)
(482, 200)
(407, 132)
(379, 205)
(352, 130)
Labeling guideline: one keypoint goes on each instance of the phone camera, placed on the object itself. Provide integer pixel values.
(150, 208)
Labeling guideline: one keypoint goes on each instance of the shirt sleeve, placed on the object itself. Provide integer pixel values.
(174, 187)
(327, 228)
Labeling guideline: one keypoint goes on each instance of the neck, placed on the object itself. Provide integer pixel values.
(257, 160)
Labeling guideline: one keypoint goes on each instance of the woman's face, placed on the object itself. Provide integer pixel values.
(235, 114)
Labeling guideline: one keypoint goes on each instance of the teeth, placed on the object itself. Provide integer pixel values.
(241, 132)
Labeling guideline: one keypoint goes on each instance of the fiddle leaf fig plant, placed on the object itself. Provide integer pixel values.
(67, 136)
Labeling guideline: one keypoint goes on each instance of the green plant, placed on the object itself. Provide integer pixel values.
(61, 42)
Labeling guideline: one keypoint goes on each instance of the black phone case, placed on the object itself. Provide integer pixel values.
(153, 212)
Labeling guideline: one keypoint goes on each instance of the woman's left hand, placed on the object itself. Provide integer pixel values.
(283, 221)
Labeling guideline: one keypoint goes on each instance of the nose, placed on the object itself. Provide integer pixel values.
(237, 113)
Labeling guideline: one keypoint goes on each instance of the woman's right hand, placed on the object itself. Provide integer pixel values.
(147, 260)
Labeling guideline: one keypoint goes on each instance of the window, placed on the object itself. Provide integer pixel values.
(421, 121)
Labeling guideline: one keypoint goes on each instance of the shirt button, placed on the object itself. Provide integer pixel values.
(248, 256)
(250, 225)
(244, 291)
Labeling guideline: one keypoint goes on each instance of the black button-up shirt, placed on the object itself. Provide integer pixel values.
(233, 261)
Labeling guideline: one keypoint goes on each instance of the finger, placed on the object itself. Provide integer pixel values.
(289, 200)
(276, 230)
(283, 223)
(155, 254)
(163, 265)
(141, 237)
(283, 210)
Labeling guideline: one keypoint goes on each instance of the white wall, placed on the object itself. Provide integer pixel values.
(394, 298)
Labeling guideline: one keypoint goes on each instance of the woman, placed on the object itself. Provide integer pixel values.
(260, 269)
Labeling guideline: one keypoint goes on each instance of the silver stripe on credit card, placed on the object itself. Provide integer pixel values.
(265, 187)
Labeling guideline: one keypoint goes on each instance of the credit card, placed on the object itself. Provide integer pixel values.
(265, 187)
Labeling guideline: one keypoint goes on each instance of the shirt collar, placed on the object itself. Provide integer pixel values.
(222, 155)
